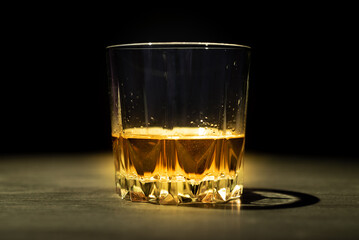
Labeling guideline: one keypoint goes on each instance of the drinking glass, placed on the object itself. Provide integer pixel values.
(178, 115)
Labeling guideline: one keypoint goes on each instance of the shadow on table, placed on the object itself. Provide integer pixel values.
(256, 199)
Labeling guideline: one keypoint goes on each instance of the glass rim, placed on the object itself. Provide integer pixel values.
(178, 45)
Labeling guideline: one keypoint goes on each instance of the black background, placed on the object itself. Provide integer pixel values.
(302, 98)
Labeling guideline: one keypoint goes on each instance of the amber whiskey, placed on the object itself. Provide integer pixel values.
(182, 165)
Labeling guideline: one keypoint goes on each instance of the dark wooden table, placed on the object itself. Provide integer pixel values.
(72, 197)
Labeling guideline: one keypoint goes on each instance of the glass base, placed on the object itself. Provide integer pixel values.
(179, 190)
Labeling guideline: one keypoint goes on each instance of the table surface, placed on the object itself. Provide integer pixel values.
(72, 197)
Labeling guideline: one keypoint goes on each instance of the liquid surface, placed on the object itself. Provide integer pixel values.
(182, 155)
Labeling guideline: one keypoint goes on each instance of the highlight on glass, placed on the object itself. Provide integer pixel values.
(178, 115)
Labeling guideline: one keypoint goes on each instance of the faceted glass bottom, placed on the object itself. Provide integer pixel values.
(179, 190)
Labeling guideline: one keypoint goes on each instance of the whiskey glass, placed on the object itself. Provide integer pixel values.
(178, 116)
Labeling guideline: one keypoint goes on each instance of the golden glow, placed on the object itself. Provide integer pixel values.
(176, 133)
(178, 166)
